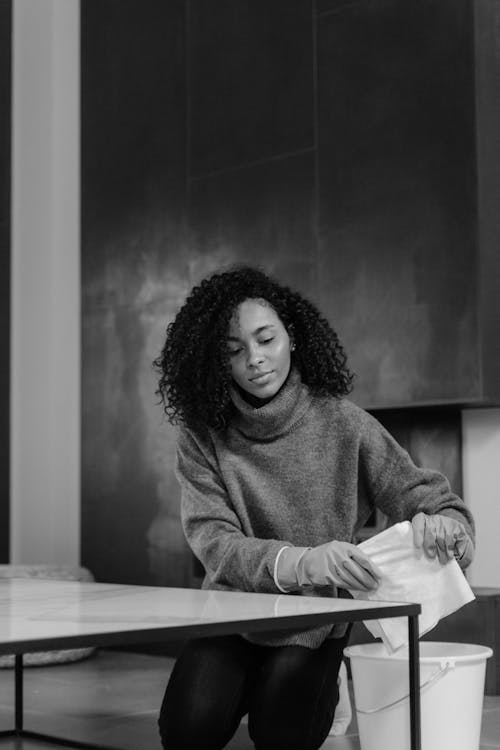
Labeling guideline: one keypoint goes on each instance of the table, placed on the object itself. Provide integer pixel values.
(40, 615)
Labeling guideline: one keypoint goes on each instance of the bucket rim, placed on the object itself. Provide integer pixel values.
(359, 651)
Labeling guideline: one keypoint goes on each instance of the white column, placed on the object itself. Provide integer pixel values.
(481, 473)
(45, 356)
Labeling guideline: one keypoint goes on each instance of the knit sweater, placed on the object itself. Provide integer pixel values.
(301, 470)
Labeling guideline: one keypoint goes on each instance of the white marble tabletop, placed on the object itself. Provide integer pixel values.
(38, 613)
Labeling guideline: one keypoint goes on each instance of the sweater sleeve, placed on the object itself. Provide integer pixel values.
(213, 529)
(399, 487)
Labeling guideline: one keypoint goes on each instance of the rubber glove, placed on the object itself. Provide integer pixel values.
(338, 563)
(443, 537)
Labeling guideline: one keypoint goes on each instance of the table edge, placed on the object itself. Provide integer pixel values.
(167, 633)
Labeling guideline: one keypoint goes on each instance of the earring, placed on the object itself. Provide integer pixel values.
(292, 348)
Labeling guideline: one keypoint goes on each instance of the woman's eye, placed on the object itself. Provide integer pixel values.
(234, 352)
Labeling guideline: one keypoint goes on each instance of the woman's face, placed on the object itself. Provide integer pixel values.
(259, 348)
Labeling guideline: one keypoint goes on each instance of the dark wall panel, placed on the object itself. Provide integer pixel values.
(133, 107)
(251, 75)
(432, 437)
(337, 150)
(5, 171)
(260, 214)
(487, 38)
(214, 93)
(398, 253)
(134, 275)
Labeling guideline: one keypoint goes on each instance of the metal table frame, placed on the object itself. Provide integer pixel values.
(198, 630)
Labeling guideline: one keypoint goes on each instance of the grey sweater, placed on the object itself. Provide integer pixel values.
(301, 470)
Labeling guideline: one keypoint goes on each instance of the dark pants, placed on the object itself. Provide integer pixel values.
(289, 692)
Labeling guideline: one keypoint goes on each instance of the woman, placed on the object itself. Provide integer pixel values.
(278, 471)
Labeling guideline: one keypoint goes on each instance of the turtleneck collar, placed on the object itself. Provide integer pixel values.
(277, 416)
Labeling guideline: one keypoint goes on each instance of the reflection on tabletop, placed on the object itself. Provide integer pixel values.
(48, 608)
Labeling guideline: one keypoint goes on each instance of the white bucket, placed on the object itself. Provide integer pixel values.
(451, 694)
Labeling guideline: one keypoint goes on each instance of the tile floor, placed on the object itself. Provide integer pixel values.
(112, 699)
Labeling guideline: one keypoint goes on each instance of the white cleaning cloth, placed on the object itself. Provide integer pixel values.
(408, 575)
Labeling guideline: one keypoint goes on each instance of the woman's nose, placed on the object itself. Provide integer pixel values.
(254, 357)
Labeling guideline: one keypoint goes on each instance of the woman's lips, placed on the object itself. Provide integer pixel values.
(262, 378)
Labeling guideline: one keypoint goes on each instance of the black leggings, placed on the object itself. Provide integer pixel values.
(289, 692)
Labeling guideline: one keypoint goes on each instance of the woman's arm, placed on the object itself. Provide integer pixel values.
(403, 490)
(212, 528)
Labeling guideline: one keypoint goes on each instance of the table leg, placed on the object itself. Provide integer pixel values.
(18, 668)
(414, 669)
(19, 730)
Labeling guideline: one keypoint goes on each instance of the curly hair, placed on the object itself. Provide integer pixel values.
(194, 367)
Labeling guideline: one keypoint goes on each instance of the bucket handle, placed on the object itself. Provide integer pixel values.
(432, 679)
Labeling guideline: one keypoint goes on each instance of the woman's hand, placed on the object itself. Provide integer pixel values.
(339, 563)
(442, 537)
